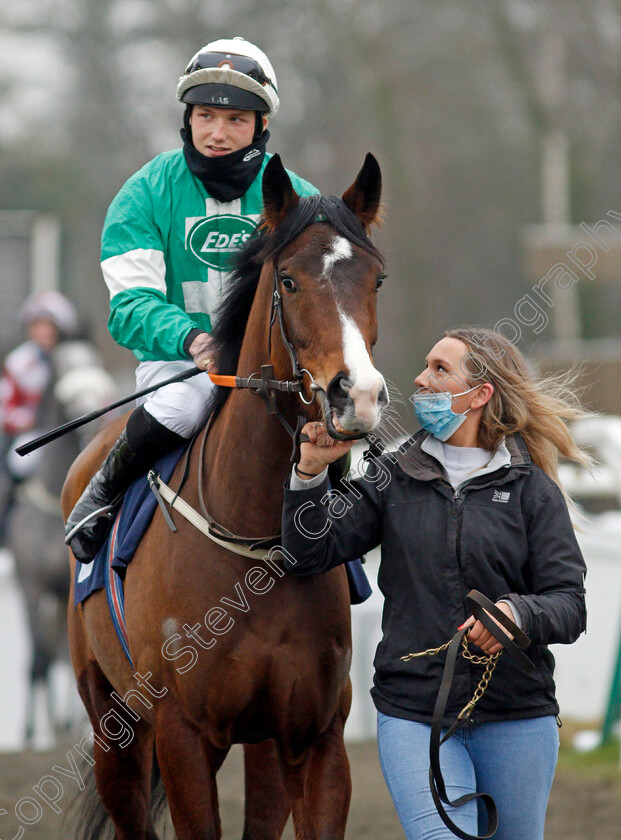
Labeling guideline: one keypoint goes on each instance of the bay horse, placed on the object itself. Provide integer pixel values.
(224, 651)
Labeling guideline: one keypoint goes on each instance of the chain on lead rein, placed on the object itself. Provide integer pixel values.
(489, 660)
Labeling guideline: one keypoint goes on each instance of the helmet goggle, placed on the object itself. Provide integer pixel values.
(240, 63)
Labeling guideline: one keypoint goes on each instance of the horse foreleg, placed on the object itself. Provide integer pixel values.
(328, 784)
(294, 775)
(267, 805)
(122, 770)
(320, 788)
(188, 765)
(320, 785)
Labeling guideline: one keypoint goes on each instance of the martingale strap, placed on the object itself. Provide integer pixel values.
(255, 549)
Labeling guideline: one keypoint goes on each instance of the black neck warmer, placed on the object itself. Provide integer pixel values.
(225, 178)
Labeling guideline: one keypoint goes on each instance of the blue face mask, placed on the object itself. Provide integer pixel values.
(434, 412)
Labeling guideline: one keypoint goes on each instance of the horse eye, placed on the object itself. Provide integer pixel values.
(380, 282)
(288, 284)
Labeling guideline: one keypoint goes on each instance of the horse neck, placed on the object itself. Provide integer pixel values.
(248, 450)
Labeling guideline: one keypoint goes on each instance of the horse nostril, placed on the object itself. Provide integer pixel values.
(344, 386)
(382, 397)
(338, 390)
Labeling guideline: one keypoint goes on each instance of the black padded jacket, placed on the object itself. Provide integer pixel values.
(507, 533)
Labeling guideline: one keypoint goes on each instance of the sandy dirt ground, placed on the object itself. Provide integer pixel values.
(585, 802)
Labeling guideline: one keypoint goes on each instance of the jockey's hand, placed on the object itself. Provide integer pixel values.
(321, 449)
(480, 636)
(202, 351)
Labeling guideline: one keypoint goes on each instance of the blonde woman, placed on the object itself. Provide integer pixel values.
(472, 503)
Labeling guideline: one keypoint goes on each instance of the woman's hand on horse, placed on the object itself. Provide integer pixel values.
(202, 351)
(480, 636)
(321, 449)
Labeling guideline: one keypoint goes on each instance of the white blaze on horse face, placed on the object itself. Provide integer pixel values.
(368, 384)
(340, 249)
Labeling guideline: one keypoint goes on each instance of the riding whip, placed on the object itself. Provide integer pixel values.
(262, 384)
(48, 437)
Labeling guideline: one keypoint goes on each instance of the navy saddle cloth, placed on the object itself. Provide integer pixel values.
(132, 521)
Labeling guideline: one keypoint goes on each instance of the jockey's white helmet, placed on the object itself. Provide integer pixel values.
(230, 73)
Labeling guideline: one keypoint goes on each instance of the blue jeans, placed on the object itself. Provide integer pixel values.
(512, 760)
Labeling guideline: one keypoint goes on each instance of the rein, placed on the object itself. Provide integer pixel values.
(253, 547)
(482, 608)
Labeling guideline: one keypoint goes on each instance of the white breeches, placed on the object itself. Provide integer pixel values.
(182, 407)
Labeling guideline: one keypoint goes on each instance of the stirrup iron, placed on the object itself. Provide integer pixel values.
(106, 512)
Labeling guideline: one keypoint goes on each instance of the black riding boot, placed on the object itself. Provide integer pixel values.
(141, 443)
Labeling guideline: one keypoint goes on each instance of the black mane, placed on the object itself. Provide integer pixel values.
(233, 312)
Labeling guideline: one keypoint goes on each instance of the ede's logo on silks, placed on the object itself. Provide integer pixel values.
(215, 238)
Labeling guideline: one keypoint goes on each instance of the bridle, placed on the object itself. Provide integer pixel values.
(298, 372)
(266, 386)
(276, 313)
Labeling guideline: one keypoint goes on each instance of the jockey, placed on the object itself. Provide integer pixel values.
(47, 317)
(166, 248)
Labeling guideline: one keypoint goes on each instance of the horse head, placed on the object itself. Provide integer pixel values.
(326, 273)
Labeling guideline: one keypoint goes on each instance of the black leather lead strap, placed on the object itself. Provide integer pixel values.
(299, 437)
(480, 606)
(436, 780)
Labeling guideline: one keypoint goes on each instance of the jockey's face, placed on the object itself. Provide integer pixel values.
(43, 332)
(219, 131)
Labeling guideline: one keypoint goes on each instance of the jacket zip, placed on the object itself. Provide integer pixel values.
(459, 497)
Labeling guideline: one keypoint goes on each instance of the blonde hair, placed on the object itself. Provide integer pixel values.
(539, 409)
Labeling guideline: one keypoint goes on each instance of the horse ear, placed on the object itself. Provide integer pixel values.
(364, 195)
(279, 197)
